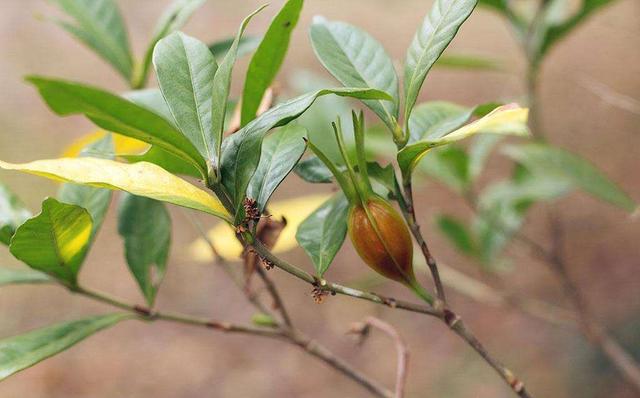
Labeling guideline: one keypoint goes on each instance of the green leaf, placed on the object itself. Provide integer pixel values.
(450, 165)
(357, 60)
(313, 170)
(23, 351)
(569, 168)
(9, 276)
(457, 233)
(479, 152)
(434, 35)
(99, 25)
(12, 213)
(384, 176)
(55, 241)
(281, 151)
(142, 179)
(467, 62)
(435, 119)
(507, 120)
(151, 99)
(555, 31)
(94, 200)
(145, 226)
(246, 45)
(322, 233)
(267, 59)
(118, 115)
(241, 152)
(185, 68)
(221, 86)
(173, 18)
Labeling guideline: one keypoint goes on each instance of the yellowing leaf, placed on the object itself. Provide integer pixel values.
(508, 119)
(142, 179)
(224, 240)
(122, 144)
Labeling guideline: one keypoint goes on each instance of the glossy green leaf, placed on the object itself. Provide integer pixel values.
(246, 45)
(433, 36)
(116, 114)
(457, 233)
(267, 59)
(99, 25)
(241, 152)
(173, 18)
(570, 168)
(12, 213)
(185, 68)
(94, 200)
(145, 226)
(151, 99)
(23, 351)
(506, 120)
(221, 86)
(313, 170)
(142, 179)
(357, 60)
(467, 62)
(55, 241)
(435, 119)
(10, 276)
(281, 151)
(322, 233)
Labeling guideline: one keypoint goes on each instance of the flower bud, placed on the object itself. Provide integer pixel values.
(385, 247)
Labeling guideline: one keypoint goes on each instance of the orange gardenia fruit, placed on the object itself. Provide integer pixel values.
(387, 249)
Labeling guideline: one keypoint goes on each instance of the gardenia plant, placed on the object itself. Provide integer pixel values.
(240, 151)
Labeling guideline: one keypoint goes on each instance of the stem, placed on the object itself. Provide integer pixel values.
(590, 328)
(294, 337)
(275, 295)
(340, 289)
(322, 353)
(450, 318)
(457, 325)
(410, 217)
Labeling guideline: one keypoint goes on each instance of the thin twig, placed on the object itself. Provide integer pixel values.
(292, 337)
(590, 328)
(401, 348)
(226, 267)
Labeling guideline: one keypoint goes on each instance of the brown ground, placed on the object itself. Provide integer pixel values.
(165, 360)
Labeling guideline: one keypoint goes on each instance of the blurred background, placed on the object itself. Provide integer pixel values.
(579, 78)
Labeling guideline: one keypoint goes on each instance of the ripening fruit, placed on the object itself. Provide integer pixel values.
(391, 256)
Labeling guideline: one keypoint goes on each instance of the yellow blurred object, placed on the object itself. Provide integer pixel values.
(122, 144)
(224, 240)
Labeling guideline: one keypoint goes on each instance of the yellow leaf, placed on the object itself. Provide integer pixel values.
(121, 143)
(142, 179)
(224, 240)
(508, 119)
